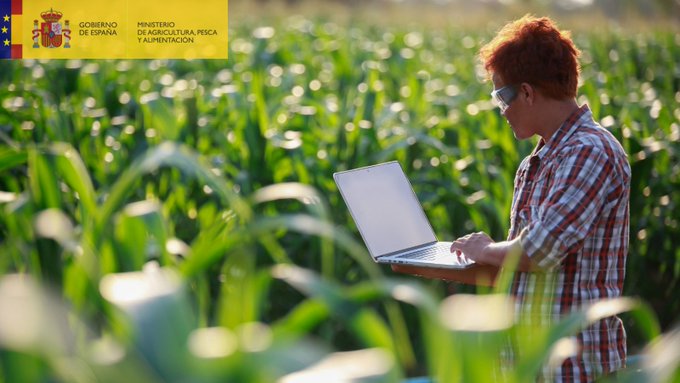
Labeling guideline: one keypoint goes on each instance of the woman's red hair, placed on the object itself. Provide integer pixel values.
(534, 51)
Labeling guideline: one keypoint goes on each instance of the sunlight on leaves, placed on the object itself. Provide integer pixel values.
(345, 367)
(133, 288)
(607, 308)
(54, 224)
(563, 349)
(30, 319)
(213, 342)
(464, 312)
(662, 358)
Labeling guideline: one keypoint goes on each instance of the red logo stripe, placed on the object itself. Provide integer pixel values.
(17, 51)
(17, 7)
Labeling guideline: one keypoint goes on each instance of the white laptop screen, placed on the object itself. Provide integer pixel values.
(384, 207)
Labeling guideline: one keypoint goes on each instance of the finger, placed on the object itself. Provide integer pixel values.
(483, 234)
(457, 242)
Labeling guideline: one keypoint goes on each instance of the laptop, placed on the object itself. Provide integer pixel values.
(391, 220)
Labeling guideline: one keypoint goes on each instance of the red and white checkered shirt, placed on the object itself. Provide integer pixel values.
(570, 210)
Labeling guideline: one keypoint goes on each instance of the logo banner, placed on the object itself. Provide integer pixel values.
(113, 29)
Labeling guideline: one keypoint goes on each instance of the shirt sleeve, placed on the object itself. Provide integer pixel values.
(575, 199)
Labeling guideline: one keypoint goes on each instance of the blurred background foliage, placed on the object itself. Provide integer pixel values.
(220, 170)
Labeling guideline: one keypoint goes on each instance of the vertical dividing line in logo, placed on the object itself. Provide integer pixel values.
(10, 29)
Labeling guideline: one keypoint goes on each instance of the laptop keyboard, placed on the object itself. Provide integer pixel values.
(428, 253)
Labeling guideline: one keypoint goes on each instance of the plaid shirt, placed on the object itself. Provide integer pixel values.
(570, 210)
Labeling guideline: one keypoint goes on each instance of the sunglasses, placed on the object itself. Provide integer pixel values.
(504, 96)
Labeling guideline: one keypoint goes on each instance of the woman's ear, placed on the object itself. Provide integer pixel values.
(527, 93)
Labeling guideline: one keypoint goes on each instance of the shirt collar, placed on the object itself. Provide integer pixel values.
(565, 130)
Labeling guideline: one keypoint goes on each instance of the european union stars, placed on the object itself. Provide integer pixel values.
(6, 22)
(5, 30)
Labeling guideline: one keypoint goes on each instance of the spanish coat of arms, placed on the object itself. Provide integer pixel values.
(52, 34)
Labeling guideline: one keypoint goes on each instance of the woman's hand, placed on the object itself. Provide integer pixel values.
(473, 246)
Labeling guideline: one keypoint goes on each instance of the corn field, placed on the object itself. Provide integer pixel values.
(175, 221)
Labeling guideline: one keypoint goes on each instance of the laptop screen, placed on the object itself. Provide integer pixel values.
(384, 208)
